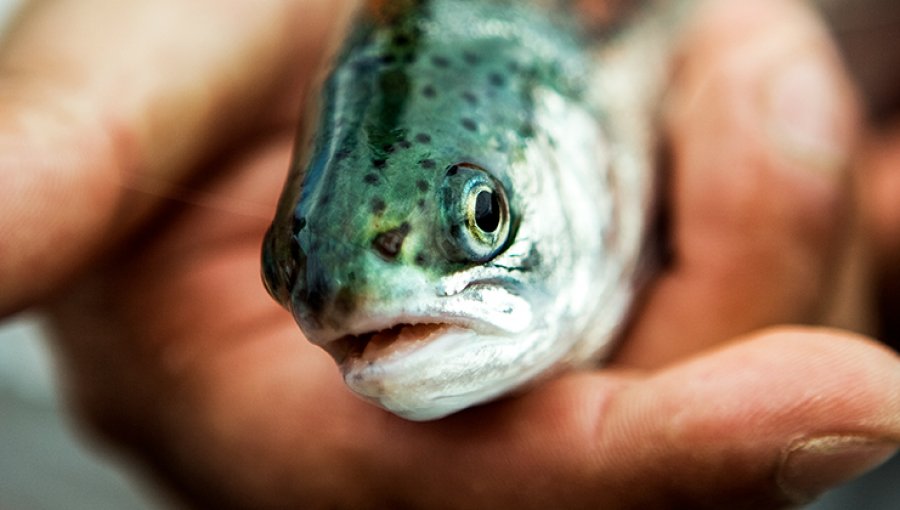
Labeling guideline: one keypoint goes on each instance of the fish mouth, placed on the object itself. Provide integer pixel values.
(385, 344)
(423, 369)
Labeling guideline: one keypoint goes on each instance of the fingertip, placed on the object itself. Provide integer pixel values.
(812, 466)
(720, 428)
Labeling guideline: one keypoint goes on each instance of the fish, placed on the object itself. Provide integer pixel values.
(471, 207)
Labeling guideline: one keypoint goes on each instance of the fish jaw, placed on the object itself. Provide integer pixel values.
(438, 354)
(439, 369)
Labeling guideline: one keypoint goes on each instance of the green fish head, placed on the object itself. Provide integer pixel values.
(430, 236)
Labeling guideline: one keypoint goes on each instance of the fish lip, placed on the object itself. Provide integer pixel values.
(348, 349)
(350, 342)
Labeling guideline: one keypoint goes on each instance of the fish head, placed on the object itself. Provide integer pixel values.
(406, 243)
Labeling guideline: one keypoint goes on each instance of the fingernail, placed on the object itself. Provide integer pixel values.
(812, 466)
(810, 114)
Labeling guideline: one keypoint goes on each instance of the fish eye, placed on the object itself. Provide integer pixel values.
(475, 213)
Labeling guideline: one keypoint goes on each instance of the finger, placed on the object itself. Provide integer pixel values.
(100, 98)
(756, 415)
(761, 122)
(770, 422)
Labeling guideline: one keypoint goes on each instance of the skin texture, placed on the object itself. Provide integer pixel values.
(172, 351)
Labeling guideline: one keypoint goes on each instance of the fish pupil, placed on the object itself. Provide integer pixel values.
(487, 211)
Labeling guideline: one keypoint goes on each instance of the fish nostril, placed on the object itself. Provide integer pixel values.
(388, 244)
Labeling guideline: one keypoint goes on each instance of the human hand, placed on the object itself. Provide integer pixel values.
(173, 350)
(108, 110)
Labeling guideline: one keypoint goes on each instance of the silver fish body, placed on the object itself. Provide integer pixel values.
(473, 211)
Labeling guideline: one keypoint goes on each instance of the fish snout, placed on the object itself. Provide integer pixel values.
(328, 290)
(280, 264)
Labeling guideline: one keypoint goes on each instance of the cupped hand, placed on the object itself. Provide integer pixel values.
(172, 349)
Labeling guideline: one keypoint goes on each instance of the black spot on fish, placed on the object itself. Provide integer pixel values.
(421, 260)
(497, 79)
(452, 170)
(422, 185)
(428, 164)
(423, 138)
(440, 61)
(455, 231)
(379, 163)
(388, 244)
(299, 224)
(402, 40)
(532, 260)
(526, 130)
(470, 98)
(404, 144)
(388, 148)
(471, 58)
(372, 179)
(388, 59)
(317, 291)
(421, 204)
(326, 199)
(469, 124)
(429, 91)
(378, 206)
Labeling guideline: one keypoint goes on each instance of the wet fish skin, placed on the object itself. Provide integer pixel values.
(483, 165)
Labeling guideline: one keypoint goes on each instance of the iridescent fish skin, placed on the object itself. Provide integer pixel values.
(472, 211)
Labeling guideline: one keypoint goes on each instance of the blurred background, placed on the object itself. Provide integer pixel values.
(46, 465)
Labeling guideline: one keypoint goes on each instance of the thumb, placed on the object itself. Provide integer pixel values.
(762, 121)
(97, 98)
(770, 421)
(775, 420)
